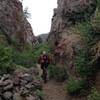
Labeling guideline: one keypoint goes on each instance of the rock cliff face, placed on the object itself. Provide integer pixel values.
(13, 22)
(64, 37)
(68, 13)
(67, 40)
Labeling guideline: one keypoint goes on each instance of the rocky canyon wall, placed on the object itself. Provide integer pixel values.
(68, 13)
(75, 38)
(65, 39)
(13, 22)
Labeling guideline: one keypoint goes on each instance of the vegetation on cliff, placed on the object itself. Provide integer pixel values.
(85, 66)
(94, 95)
(81, 58)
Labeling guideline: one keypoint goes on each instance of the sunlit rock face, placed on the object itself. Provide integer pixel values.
(63, 36)
(13, 22)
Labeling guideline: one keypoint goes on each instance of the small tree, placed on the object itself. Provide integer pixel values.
(27, 13)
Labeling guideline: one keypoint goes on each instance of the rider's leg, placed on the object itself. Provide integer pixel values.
(45, 75)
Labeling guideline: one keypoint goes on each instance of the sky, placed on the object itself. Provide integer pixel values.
(41, 14)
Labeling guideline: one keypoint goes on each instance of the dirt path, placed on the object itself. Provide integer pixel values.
(54, 91)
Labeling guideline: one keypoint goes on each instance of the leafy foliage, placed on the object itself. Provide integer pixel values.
(83, 58)
(96, 21)
(75, 87)
(5, 59)
(95, 95)
(28, 57)
(40, 94)
(86, 30)
(27, 13)
(82, 64)
(38, 50)
(98, 4)
(58, 73)
(24, 57)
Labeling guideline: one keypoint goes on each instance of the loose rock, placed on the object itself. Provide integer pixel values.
(7, 95)
(17, 96)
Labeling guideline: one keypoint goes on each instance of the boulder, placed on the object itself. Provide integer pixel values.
(17, 96)
(19, 86)
(30, 97)
(7, 95)
(30, 86)
(8, 87)
(27, 77)
(23, 91)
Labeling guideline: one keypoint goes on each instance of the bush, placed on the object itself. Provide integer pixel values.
(75, 87)
(96, 22)
(86, 31)
(6, 63)
(82, 64)
(51, 70)
(24, 57)
(39, 48)
(28, 57)
(98, 4)
(95, 95)
(58, 73)
(40, 94)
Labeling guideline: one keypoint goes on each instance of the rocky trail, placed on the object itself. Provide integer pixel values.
(54, 90)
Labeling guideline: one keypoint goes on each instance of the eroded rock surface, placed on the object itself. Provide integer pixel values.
(65, 39)
(13, 22)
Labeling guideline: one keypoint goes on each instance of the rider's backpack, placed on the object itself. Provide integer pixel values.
(44, 59)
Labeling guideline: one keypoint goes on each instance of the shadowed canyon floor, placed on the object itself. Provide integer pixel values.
(54, 90)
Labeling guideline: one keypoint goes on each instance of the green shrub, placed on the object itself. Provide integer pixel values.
(24, 57)
(51, 70)
(58, 73)
(40, 94)
(95, 95)
(28, 57)
(75, 87)
(82, 64)
(96, 23)
(39, 48)
(6, 63)
(98, 4)
(86, 30)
